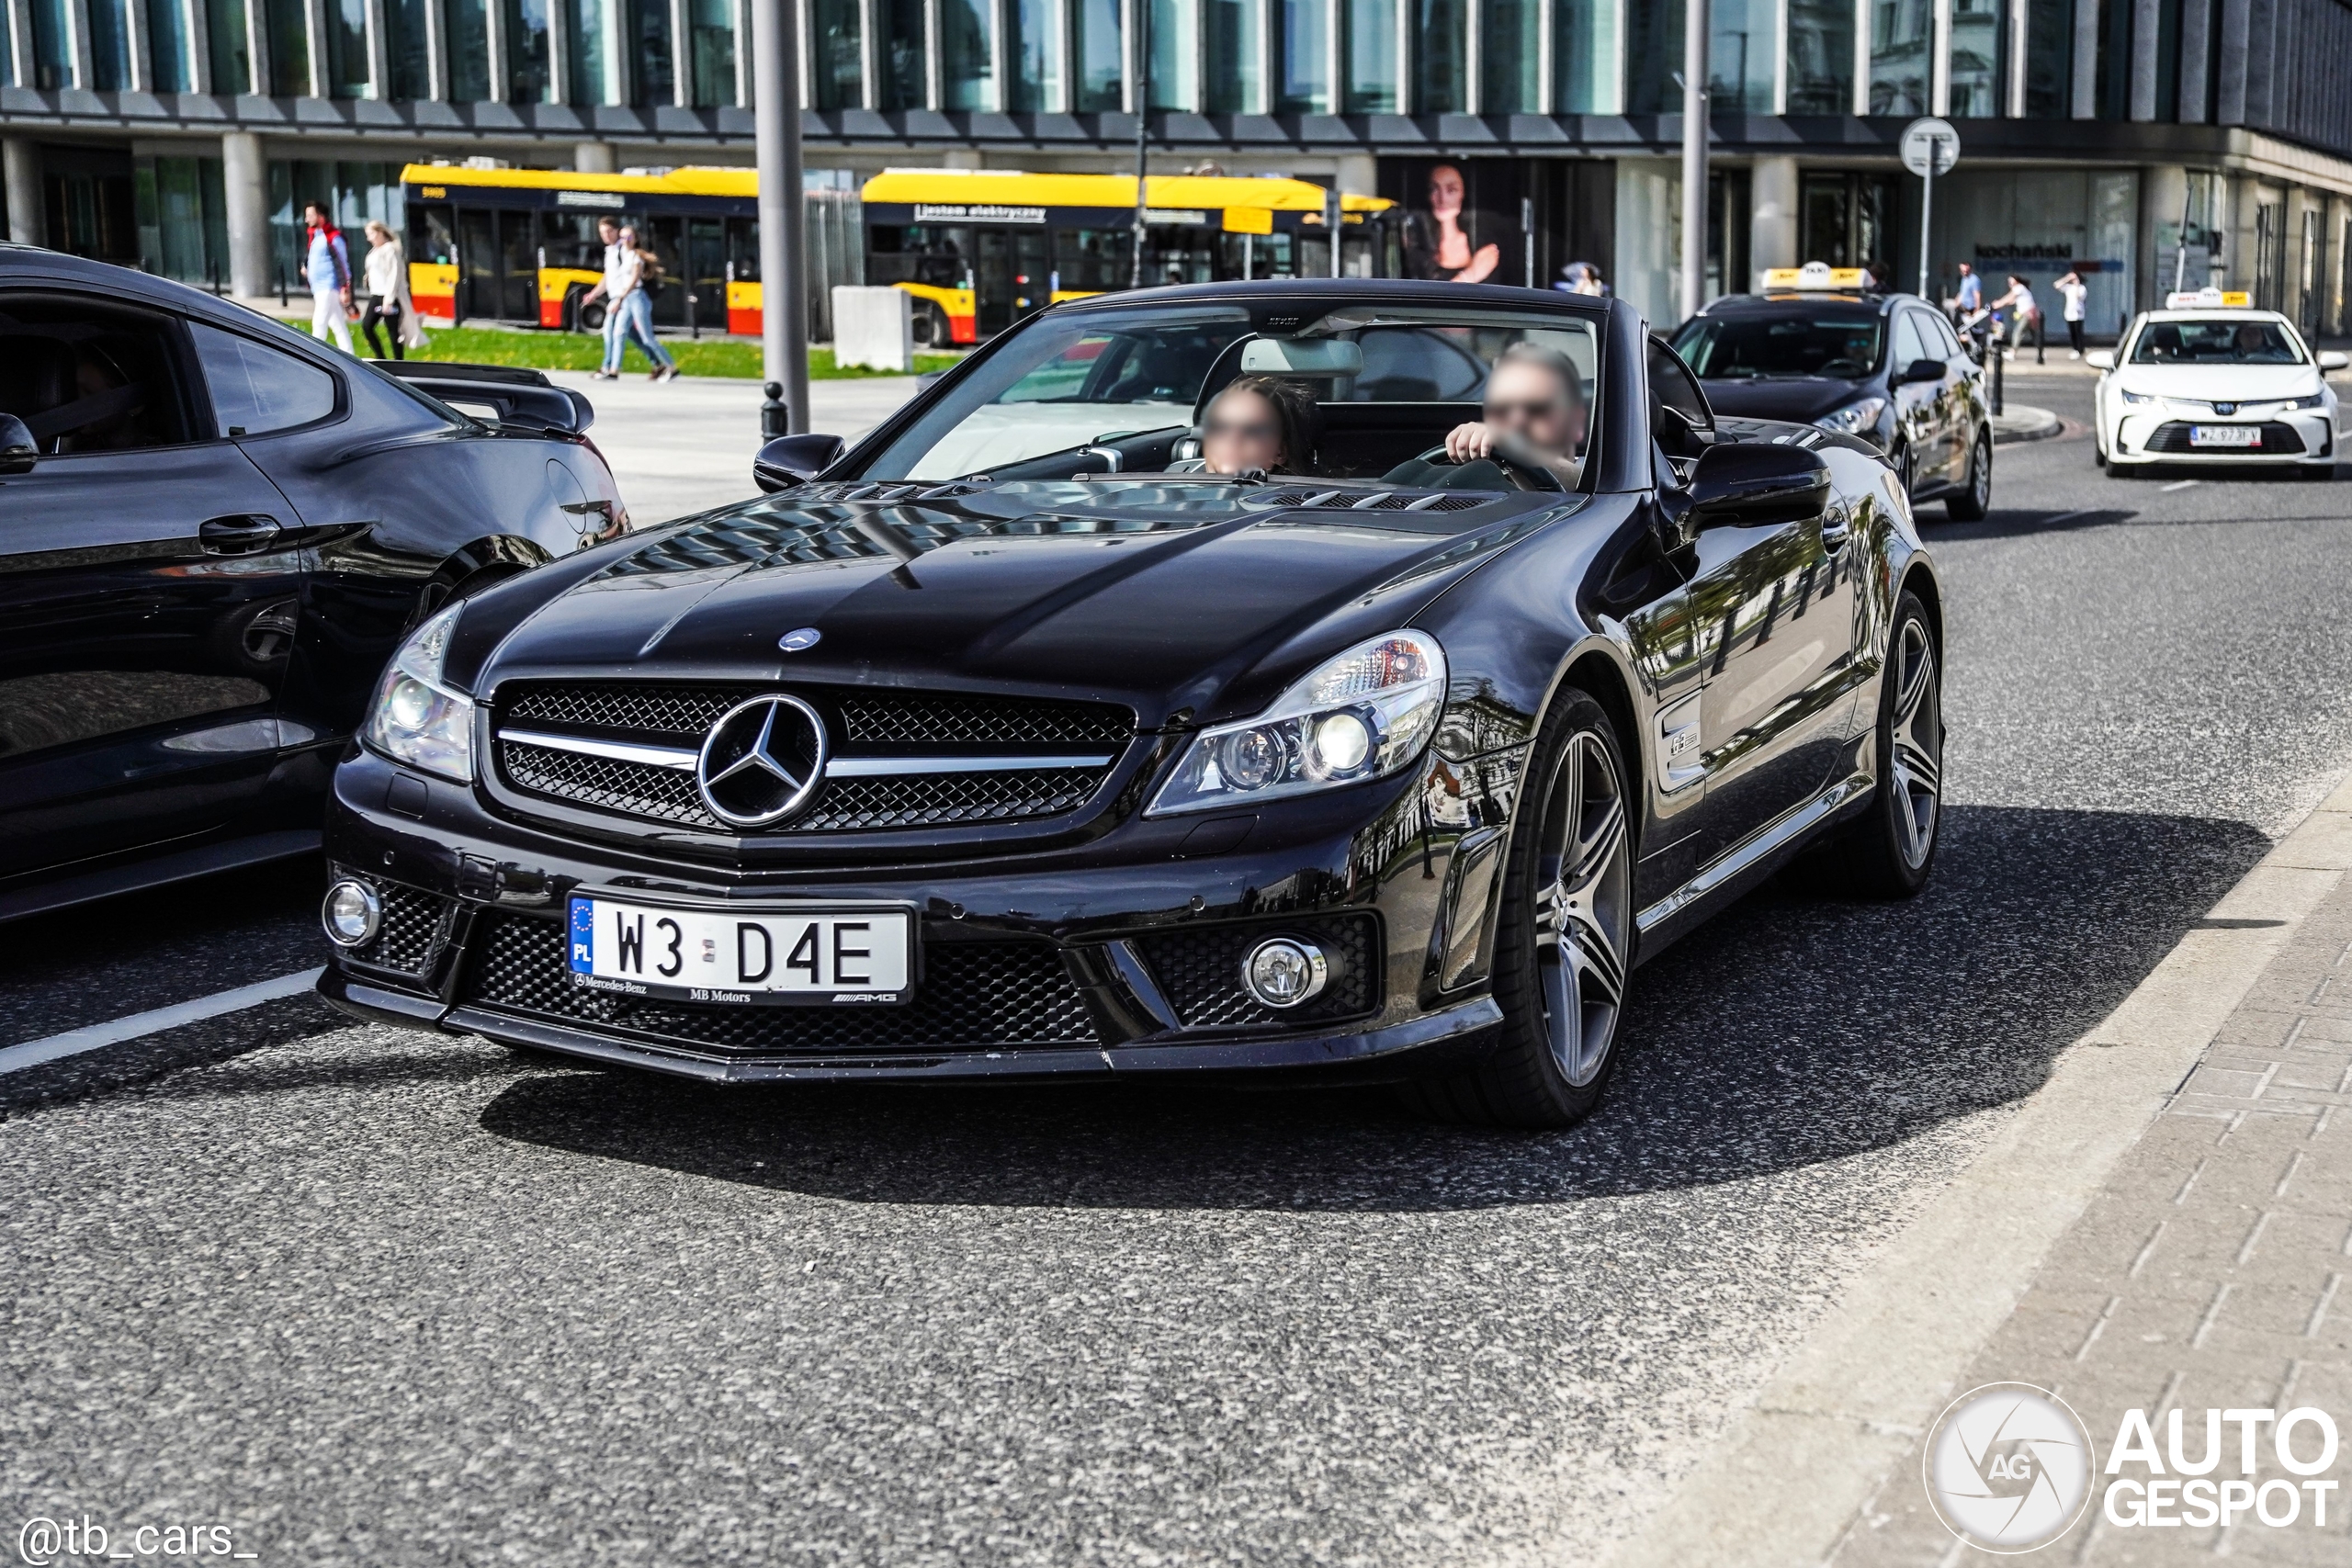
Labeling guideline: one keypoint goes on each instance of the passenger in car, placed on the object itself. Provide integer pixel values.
(1258, 422)
(1535, 420)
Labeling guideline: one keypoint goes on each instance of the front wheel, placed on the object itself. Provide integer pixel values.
(1972, 500)
(1891, 849)
(1565, 944)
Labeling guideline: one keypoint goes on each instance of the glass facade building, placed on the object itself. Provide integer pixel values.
(1564, 116)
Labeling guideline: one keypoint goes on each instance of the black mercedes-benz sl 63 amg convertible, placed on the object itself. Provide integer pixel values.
(1008, 742)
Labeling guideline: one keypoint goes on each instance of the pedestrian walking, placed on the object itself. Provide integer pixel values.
(326, 266)
(2074, 291)
(1971, 296)
(2024, 315)
(386, 270)
(629, 313)
(1581, 277)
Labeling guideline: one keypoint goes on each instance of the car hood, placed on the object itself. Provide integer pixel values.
(1162, 595)
(1799, 399)
(2221, 383)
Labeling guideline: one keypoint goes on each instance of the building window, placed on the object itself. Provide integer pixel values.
(1821, 57)
(1175, 53)
(1036, 56)
(346, 29)
(1741, 57)
(1976, 56)
(1372, 85)
(52, 46)
(1234, 28)
(1512, 57)
(712, 23)
(167, 50)
(468, 49)
(584, 43)
(967, 69)
(2049, 58)
(1305, 86)
(837, 64)
(1099, 66)
(404, 50)
(650, 31)
(1841, 219)
(1441, 78)
(224, 27)
(109, 47)
(1901, 34)
(1654, 58)
(183, 220)
(905, 65)
(1584, 48)
(354, 193)
(527, 77)
(290, 48)
(2114, 74)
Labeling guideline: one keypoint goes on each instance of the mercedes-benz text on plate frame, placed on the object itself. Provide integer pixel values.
(769, 954)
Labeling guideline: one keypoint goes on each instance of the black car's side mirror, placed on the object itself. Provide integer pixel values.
(1921, 370)
(1746, 484)
(790, 461)
(18, 450)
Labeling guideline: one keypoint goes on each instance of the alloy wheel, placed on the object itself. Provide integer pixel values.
(1980, 473)
(1917, 750)
(1583, 908)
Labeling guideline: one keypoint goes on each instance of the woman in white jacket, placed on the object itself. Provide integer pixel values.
(388, 299)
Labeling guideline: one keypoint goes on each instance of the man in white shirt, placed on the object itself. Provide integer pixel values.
(620, 277)
(2074, 291)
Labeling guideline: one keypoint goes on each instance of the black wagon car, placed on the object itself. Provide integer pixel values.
(994, 749)
(1885, 368)
(212, 534)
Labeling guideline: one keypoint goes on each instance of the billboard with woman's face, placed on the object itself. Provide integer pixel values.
(1461, 218)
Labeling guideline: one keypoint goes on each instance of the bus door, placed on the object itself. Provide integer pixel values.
(1014, 278)
(498, 265)
(666, 237)
(705, 272)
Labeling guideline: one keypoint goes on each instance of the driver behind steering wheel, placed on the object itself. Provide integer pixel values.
(1535, 420)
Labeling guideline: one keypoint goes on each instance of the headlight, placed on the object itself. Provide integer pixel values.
(2317, 400)
(2137, 398)
(419, 718)
(1854, 419)
(1364, 715)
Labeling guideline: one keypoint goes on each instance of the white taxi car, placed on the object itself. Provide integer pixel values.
(2207, 381)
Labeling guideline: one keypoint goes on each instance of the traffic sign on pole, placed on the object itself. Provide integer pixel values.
(1930, 147)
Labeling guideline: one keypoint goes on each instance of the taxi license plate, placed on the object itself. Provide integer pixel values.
(2225, 436)
(814, 955)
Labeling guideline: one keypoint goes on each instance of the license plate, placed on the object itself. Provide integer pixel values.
(2225, 436)
(813, 956)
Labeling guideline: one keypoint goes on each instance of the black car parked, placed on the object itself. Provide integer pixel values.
(997, 748)
(1886, 368)
(212, 534)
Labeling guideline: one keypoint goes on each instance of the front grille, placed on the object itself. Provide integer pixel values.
(1001, 995)
(415, 925)
(858, 721)
(1200, 970)
(2278, 439)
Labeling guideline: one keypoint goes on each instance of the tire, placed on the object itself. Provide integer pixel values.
(1890, 851)
(931, 327)
(1562, 951)
(1973, 500)
(438, 595)
(2315, 473)
(590, 317)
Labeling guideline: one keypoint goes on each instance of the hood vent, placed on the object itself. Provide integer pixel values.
(1374, 500)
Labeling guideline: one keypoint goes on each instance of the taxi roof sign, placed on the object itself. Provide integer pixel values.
(1815, 276)
(2210, 299)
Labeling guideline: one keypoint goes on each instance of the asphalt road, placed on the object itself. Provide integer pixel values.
(365, 1295)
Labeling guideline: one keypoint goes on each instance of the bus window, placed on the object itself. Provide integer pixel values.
(431, 236)
(920, 252)
(1090, 261)
(570, 240)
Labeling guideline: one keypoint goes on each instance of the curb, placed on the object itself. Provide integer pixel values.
(1850, 1403)
(2025, 422)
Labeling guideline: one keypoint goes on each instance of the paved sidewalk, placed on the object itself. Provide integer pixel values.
(2208, 1273)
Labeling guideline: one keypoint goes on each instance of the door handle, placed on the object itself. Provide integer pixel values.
(238, 534)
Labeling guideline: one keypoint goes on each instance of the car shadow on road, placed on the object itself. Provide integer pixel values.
(2010, 523)
(1794, 1029)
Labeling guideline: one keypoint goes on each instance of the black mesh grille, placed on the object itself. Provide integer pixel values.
(865, 718)
(973, 996)
(921, 799)
(2278, 439)
(1200, 969)
(635, 789)
(646, 709)
(414, 926)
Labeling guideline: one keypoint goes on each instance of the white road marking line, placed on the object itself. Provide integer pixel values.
(2179, 484)
(93, 1037)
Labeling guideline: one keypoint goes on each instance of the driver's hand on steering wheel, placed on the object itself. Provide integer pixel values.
(1468, 443)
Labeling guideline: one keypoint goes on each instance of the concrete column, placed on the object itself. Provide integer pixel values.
(594, 157)
(245, 186)
(1773, 229)
(25, 207)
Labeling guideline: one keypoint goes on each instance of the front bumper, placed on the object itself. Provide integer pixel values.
(1116, 955)
(2161, 435)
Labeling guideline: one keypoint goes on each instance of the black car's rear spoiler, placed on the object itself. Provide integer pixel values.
(516, 397)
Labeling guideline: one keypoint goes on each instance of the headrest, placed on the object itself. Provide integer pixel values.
(36, 374)
(1301, 356)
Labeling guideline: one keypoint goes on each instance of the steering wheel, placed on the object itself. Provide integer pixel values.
(1522, 476)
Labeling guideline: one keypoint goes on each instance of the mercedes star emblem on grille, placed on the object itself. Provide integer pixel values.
(762, 761)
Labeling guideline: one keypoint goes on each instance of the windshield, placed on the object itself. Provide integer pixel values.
(2222, 342)
(1804, 342)
(1082, 380)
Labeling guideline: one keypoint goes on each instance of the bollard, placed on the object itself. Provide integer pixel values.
(772, 412)
(1999, 359)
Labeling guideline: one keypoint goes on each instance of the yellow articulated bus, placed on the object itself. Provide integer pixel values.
(979, 249)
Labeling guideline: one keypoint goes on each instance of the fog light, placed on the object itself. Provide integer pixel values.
(353, 914)
(1284, 972)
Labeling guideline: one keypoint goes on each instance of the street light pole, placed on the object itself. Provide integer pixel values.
(784, 248)
(1143, 123)
(1695, 23)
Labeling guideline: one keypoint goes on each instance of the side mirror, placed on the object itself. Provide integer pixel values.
(1921, 370)
(19, 451)
(2104, 358)
(790, 461)
(1747, 484)
(2333, 359)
